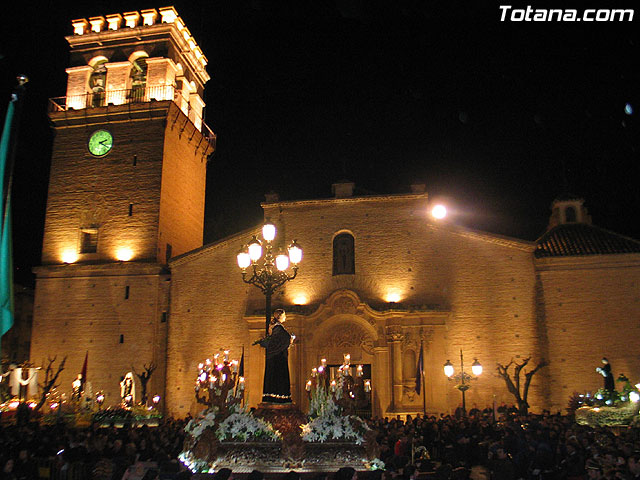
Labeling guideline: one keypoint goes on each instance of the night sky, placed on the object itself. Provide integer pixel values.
(497, 118)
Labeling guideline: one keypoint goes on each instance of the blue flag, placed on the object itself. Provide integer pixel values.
(6, 257)
(419, 371)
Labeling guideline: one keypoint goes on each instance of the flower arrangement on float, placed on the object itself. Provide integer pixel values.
(333, 404)
(607, 408)
(220, 387)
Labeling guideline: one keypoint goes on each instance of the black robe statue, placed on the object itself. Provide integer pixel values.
(608, 377)
(277, 387)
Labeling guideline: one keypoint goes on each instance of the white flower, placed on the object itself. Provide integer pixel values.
(243, 426)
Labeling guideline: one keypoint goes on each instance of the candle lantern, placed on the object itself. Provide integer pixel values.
(218, 383)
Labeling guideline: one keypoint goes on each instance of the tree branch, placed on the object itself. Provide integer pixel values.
(503, 371)
(516, 372)
(49, 382)
(529, 375)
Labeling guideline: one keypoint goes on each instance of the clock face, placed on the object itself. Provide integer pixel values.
(100, 143)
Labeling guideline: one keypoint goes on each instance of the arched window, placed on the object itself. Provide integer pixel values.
(97, 82)
(570, 215)
(344, 259)
(138, 78)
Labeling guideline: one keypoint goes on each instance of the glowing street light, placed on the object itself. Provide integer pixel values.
(268, 272)
(463, 377)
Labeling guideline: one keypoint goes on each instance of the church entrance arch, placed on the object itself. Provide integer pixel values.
(340, 334)
(343, 324)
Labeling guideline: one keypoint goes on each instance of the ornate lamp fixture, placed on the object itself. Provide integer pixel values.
(270, 271)
(463, 377)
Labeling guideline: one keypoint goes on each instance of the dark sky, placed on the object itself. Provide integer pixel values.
(497, 117)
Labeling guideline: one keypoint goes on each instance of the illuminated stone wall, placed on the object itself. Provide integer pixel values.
(80, 308)
(481, 286)
(144, 195)
(159, 167)
(208, 303)
(87, 191)
(184, 170)
(589, 306)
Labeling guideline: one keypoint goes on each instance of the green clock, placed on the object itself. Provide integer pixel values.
(100, 143)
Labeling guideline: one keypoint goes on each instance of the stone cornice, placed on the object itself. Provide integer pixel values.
(160, 110)
(241, 237)
(494, 238)
(347, 302)
(325, 201)
(587, 262)
(79, 270)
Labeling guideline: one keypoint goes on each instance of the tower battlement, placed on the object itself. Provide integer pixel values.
(135, 57)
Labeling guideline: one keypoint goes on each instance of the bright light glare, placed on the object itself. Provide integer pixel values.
(393, 297)
(124, 254)
(255, 249)
(448, 369)
(295, 253)
(634, 396)
(476, 368)
(300, 300)
(282, 262)
(244, 260)
(269, 232)
(439, 212)
(69, 256)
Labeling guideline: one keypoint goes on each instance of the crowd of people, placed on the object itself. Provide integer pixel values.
(35, 451)
(531, 447)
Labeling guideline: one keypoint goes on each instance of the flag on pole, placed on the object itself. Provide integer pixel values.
(84, 370)
(6, 257)
(419, 372)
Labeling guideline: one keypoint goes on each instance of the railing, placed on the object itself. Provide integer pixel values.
(136, 95)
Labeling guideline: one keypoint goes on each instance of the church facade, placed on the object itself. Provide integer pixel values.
(125, 276)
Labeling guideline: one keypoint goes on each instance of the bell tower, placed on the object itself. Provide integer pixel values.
(126, 193)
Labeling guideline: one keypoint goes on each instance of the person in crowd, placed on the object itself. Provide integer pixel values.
(223, 474)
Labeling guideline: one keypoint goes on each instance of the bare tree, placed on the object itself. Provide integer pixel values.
(513, 381)
(144, 379)
(50, 379)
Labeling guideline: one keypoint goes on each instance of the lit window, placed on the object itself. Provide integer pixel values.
(344, 261)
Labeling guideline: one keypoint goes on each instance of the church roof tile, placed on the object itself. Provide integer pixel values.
(577, 239)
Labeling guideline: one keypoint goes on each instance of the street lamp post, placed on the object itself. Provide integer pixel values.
(268, 272)
(463, 377)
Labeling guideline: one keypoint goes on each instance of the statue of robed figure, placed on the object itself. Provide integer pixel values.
(277, 386)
